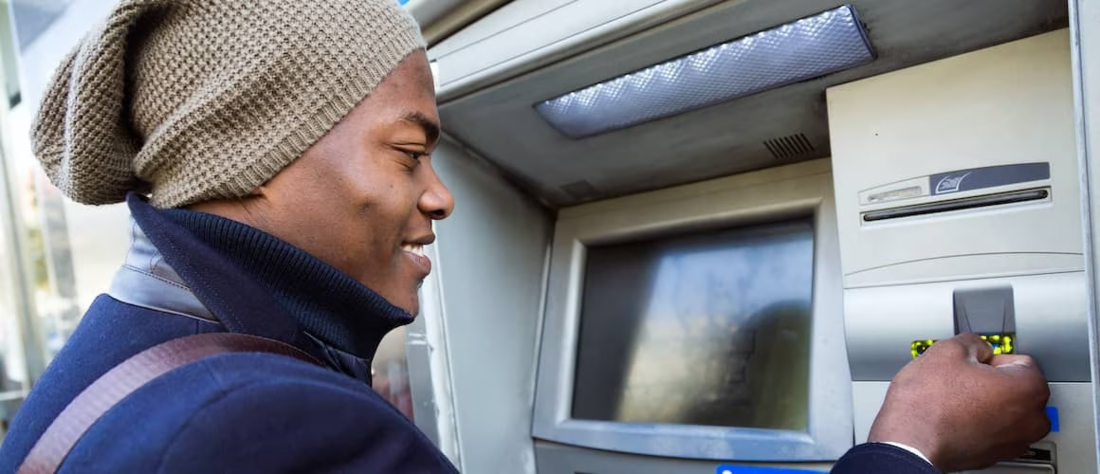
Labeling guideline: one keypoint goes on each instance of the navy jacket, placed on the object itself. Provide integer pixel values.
(874, 458)
(190, 273)
(233, 412)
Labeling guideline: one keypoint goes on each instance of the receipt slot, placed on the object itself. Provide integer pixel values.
(958, 210)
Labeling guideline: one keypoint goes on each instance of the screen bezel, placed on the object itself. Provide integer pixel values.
(771, 195)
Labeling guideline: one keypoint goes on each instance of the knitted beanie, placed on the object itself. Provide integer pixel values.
(194, 100)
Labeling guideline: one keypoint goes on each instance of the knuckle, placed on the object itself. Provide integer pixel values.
(970, 340)
(968, 337)
(947, 347)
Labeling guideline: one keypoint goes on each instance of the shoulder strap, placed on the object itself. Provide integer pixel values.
(83, 411)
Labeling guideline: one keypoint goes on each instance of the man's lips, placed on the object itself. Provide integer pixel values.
(415, 253)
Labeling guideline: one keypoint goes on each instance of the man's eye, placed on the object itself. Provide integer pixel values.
(416, 155)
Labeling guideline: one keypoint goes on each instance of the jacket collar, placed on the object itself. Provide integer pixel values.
(172, 269)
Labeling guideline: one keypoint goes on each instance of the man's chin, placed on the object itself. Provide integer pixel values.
(407, 298)
(411, 306)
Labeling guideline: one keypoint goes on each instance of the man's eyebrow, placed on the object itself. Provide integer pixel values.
(430, 127)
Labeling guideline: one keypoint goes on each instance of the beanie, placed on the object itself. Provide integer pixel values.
(194, 100)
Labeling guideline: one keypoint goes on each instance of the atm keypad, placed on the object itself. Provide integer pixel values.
(1002, 344)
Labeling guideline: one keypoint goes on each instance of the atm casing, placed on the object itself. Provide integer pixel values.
(912, 139)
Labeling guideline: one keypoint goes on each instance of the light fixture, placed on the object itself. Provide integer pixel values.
(811, 47)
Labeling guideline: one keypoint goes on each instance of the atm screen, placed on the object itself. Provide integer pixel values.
(711, 328)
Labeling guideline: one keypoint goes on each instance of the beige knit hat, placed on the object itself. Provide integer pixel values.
(192, 100)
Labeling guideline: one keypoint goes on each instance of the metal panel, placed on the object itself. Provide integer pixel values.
(525, 33)
(560, 459)
(771, 195)
(1085, 43)
(1051, 325)
(501, 123)
(430, 368)
(958, 118)
(491, 258)
(440, 18)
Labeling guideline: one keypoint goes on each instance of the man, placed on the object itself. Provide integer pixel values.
(276, 158)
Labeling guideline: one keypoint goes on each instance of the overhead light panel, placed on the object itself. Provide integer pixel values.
(811, 47)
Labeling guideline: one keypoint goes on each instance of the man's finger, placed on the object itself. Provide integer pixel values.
(1024, 370)
(1012, 360)
(977, 350)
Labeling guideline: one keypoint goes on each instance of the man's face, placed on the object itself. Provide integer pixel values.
(363, 198)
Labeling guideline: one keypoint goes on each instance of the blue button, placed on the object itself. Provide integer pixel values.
(1052, 413)
(731, 469)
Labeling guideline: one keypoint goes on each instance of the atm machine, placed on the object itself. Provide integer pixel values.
(680, 283)
(958, 210)
(702, 236)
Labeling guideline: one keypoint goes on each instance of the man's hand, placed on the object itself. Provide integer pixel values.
(964, 407)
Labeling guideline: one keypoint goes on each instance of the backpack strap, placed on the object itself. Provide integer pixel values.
(83, 411)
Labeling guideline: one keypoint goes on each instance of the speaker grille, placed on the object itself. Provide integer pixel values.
(790, 146)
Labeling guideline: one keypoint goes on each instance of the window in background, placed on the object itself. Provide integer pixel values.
(74, 250)
(14, 381)
(711, 328)
(47, 273)
(33, 17)
(390, 372)
(20, 355)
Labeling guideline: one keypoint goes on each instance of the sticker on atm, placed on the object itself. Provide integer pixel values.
(1002, 344)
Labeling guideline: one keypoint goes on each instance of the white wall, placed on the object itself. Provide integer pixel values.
(491, 262)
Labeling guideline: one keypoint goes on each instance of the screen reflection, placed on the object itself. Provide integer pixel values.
(711, 328)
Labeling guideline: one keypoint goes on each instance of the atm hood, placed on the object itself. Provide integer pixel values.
(491, 112)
